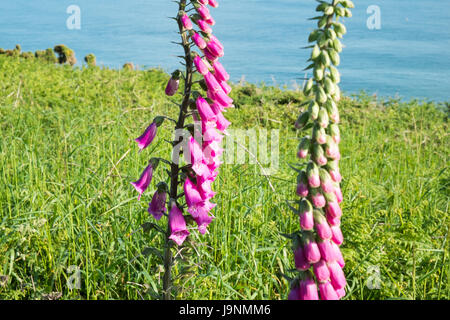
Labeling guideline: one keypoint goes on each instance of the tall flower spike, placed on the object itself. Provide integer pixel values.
(319, 184)
(203, 150)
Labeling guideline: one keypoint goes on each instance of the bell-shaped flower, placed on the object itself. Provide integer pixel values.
(191, 193)
(144, 181)
(203, 220)
(321, 271)
(306, 215)
(312, 172)
(219, 72)
(333, 210)
(321, 225)
(336, 275)
(203, 11)
(200, 65)
(337, 236)
(311, 250)
(187, 23)
(196, 157)
(198, 40)
(326, 250)
(308, 290)
(215, 48)
(213, 3)
(147, 137)
(318, 199)
(157, 207)
(300, 261)
(177, 224)
(204, 109)
(327, 291)
(204, 26)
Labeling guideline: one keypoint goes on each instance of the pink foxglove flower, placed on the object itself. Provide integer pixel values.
(337, 236)
(144, 181)
(340, 293)
(319, 183)
(336, 275)
(334, 210)
(302, 189)
(157, 207)
(338, 255)
(306, 215)
(203, 220)
(321, 225)
(191, 193)
(147, 137)
(210, 56)
(308, 290)
(222, 122)
(326, 250)
(321, 271)
(187, 23)
(338, 194)
(215, 48)
(200, 65)
(204, 109)
(225, 87)
(213, 3)
(178, 230)
(300, 260)
(312, 252)
(212, 82)
(220, 72)
(204, 26)
(312, 172)
(198, 40)
(327, 291)
(203, 11)
(318, 199)
(173, 84)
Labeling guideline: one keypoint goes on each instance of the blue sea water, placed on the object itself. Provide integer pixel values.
(408, 57)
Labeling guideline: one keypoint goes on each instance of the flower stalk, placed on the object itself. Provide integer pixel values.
(204, 101)
(318, 259)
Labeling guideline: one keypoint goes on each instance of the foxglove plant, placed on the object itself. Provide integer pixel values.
(205, 100)
(318, 259)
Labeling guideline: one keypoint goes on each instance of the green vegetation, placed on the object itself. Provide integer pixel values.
(67, 156)
(91, 60)
(65, 55)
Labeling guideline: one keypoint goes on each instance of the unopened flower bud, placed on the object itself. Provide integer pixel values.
(302, 185)
(311, 249)
(318, 155)
(303, 148)
(319, 135)
(321, 225)
(321, 271)
(323, 118)
(325, 181)
(313, 110)
(302, 120)
(317, 198)
(312, 172)
(306, 215)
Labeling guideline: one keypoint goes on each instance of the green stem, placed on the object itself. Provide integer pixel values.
(175, 169)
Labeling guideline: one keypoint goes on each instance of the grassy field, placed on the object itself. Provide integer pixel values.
(67, 156)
